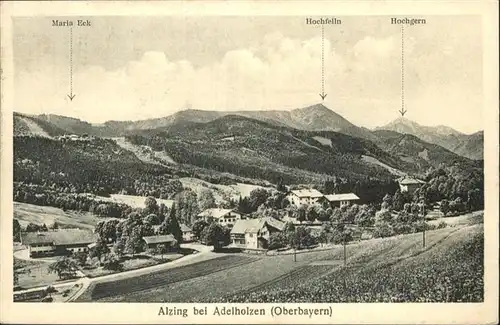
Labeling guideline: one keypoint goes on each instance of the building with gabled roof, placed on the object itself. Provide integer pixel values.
(153, 242)
(224, 217)
(409, 184)
(57, 242)
(304, 197)
(340, 200)
(187, 233)
(255, 233)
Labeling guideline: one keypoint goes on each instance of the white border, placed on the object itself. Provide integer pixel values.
(342, 313)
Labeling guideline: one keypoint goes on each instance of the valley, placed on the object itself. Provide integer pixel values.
(308, 179)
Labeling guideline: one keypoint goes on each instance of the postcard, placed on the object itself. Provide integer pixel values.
(249, 162)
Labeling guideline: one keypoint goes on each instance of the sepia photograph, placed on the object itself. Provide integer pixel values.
(247, 159)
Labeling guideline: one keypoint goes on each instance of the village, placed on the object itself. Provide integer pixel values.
(310, 220)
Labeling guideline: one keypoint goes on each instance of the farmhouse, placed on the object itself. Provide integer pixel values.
(152, 242)
(224, 217)
(255, 233)
(409, 184)
(60, 242)
(305, 196)
(187, 233)
(340, 200)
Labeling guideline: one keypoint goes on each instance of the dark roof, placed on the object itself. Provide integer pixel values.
(59, 237)
(159, 239)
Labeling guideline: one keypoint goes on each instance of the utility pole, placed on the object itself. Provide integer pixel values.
(422, 209)
(344, 242)
(423, 237)
(344, 239)
(345, 254)
(423, 231)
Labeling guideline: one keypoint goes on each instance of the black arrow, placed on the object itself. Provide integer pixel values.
(71, 95)
(322, 95)
(402, 111)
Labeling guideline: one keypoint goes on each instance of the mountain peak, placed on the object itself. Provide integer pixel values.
(316, 107)
(404, 120)
(401, 125)
(441, 135)
(405, 125)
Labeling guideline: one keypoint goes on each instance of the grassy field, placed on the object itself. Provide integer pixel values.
(133, 201)
(132, 263)
(34, 273)
(220, 191)
(123, 288)
(450, 269)
(468, 218)
(263, 278)
(36, 214)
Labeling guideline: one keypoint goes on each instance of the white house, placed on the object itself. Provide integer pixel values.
(224, 217)
(340, 200)
(409, 184)
(255, 233)
(304, 196)
(187, 233)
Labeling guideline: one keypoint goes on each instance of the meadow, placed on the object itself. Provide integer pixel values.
(449, 270)
(398, 268)
(29, 213)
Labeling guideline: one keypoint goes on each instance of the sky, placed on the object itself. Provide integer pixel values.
(132, 68)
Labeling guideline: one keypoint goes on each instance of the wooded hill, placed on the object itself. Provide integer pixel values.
(231, 148)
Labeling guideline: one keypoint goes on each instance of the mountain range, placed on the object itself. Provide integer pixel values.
(304, 146)
(467, 145)
(311, 118)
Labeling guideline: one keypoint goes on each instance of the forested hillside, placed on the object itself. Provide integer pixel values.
(253, 148)
(98, 166)
(411, 149)
(227, 150)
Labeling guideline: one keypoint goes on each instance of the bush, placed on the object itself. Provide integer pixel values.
(50, 289)
(442, 225)
(382, 230)
(47, 299)
(277, 240)
(112, 262)
(301, 238)
(403, 228)
(64, 267)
